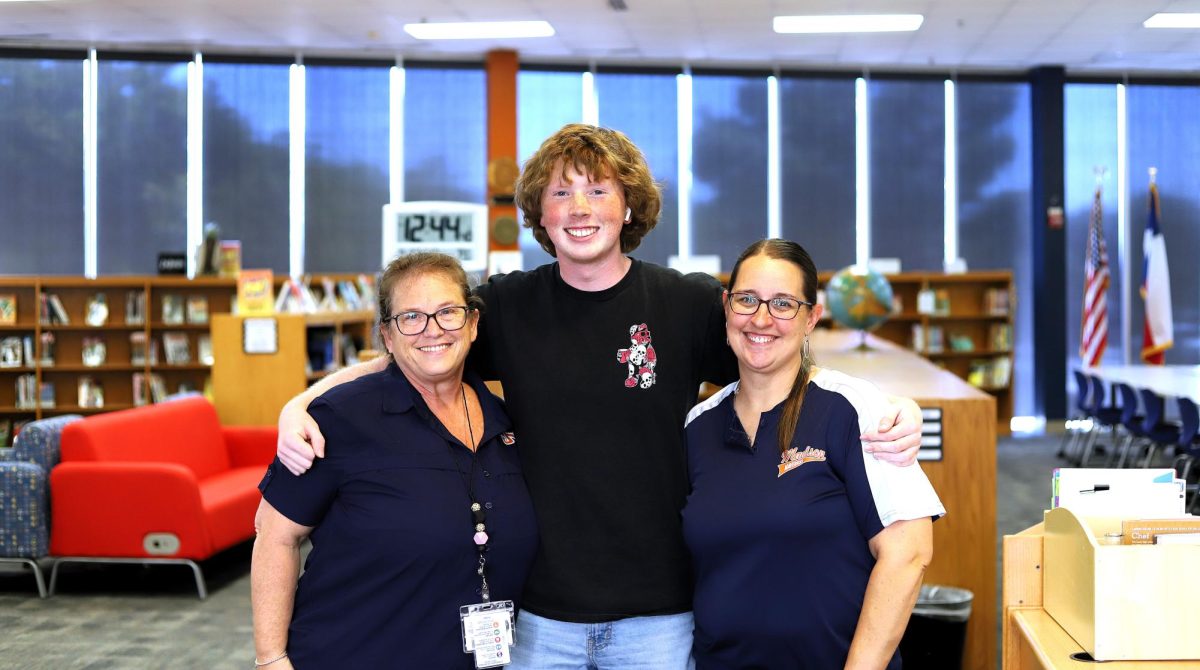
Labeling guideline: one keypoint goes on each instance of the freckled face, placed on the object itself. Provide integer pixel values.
(583, 216)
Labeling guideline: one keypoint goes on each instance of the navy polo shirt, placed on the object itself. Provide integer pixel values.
(393, 557)
(780, 551)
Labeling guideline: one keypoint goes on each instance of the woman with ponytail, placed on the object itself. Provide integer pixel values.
(807, 553)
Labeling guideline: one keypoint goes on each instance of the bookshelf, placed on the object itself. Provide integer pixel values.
(72, 345)
(960, 322)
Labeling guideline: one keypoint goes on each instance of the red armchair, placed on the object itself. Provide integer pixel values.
(159, 484)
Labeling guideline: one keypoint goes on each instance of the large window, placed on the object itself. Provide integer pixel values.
(141, 179)
(1164, 132)
(546, 101)
(1091, 139)
(246, 159)
(994, 231)
(907, 143)
(41, 166)
(643, 106)
(729, 164)
(346, 166)
(445, 146)
(816, 119)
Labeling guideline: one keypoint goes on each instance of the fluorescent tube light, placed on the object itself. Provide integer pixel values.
(849, 23)
(1173, 20)
(479, 30)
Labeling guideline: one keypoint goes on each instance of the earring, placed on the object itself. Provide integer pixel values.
(628, 214)
(804, 350)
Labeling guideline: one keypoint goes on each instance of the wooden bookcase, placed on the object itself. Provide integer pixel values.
(175, 310)
(973, 329)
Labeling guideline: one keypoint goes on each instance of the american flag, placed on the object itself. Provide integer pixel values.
(1094, 334)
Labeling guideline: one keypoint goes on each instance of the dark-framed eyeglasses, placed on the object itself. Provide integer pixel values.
(412, 322)
(747, 304)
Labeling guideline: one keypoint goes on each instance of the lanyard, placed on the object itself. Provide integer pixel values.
(478, 513)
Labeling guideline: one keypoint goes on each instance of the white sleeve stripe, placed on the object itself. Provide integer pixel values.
(713, 400)
(900, 494)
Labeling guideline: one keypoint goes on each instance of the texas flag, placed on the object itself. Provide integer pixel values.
(1158, 328)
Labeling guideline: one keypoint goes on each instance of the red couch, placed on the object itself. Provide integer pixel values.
(163, 483)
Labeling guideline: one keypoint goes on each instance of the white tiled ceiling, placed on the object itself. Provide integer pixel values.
(1084, 35)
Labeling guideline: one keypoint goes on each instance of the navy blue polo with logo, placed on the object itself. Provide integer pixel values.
(779, 549)
(393, 557)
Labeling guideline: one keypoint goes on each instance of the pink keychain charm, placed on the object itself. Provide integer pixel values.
(481, 538)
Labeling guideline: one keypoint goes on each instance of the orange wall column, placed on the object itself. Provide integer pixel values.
(502, 168)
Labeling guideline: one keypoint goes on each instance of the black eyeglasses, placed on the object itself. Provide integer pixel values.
(415, 323)
(747, 304)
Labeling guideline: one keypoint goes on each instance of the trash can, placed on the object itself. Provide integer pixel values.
(937, 631)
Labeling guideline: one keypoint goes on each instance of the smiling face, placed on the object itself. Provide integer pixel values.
(583, 216)
(435, 355)
(763, 343)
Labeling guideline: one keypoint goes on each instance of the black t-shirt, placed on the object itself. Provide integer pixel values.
(598, 385)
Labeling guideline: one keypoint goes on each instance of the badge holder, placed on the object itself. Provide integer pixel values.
(487, 630)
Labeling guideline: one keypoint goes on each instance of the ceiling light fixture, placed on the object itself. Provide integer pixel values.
(479, 30)
(849, 23)
(1173, 20)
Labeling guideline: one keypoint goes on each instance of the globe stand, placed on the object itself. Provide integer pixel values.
(862, 342)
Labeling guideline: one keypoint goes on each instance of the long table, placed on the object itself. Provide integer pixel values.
(964, 541)
(1170, 381)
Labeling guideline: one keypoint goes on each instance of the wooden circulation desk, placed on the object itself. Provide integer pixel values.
(964, 541)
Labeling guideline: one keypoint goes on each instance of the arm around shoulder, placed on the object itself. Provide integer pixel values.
(300, 440)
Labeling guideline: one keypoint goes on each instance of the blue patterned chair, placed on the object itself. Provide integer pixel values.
(25, 497)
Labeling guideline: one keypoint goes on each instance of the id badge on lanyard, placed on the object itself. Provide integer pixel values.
(487, 630)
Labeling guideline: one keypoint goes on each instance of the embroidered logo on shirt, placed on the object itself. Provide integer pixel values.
(639, 357)
(793, 458)
(508, 438)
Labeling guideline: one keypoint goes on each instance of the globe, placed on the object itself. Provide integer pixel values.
(859, 298)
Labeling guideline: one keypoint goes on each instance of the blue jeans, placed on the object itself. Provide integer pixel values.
(647, 642)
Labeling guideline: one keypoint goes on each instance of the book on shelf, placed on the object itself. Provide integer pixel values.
(11, 352)
(5, 433)
(8, 309)
(141, 390)
(995, 373)
(366, 290)
(995, 301)
(961, 342)
(52, 311)
(46, 356)
(329, 301)
(91, 392)
(158, 389)
(26, 392)
(295, 298)
(204, 351)
(197, 309)
(135, 308)
(917, 342)
(926, 301)
(46, 397)
(229, 258)
(137, 348)
(1001, 372)
(172, 308)
(1000, 336)
(27, 345)
(935, 340)
(95, 351)
(175, 348)
(941, 302)
(96, 312)
(255, 293)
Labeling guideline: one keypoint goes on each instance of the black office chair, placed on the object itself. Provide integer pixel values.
(1159, 433)
(1131, 422)
(1105, 419)
(1188, 448)
(1074, 432)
